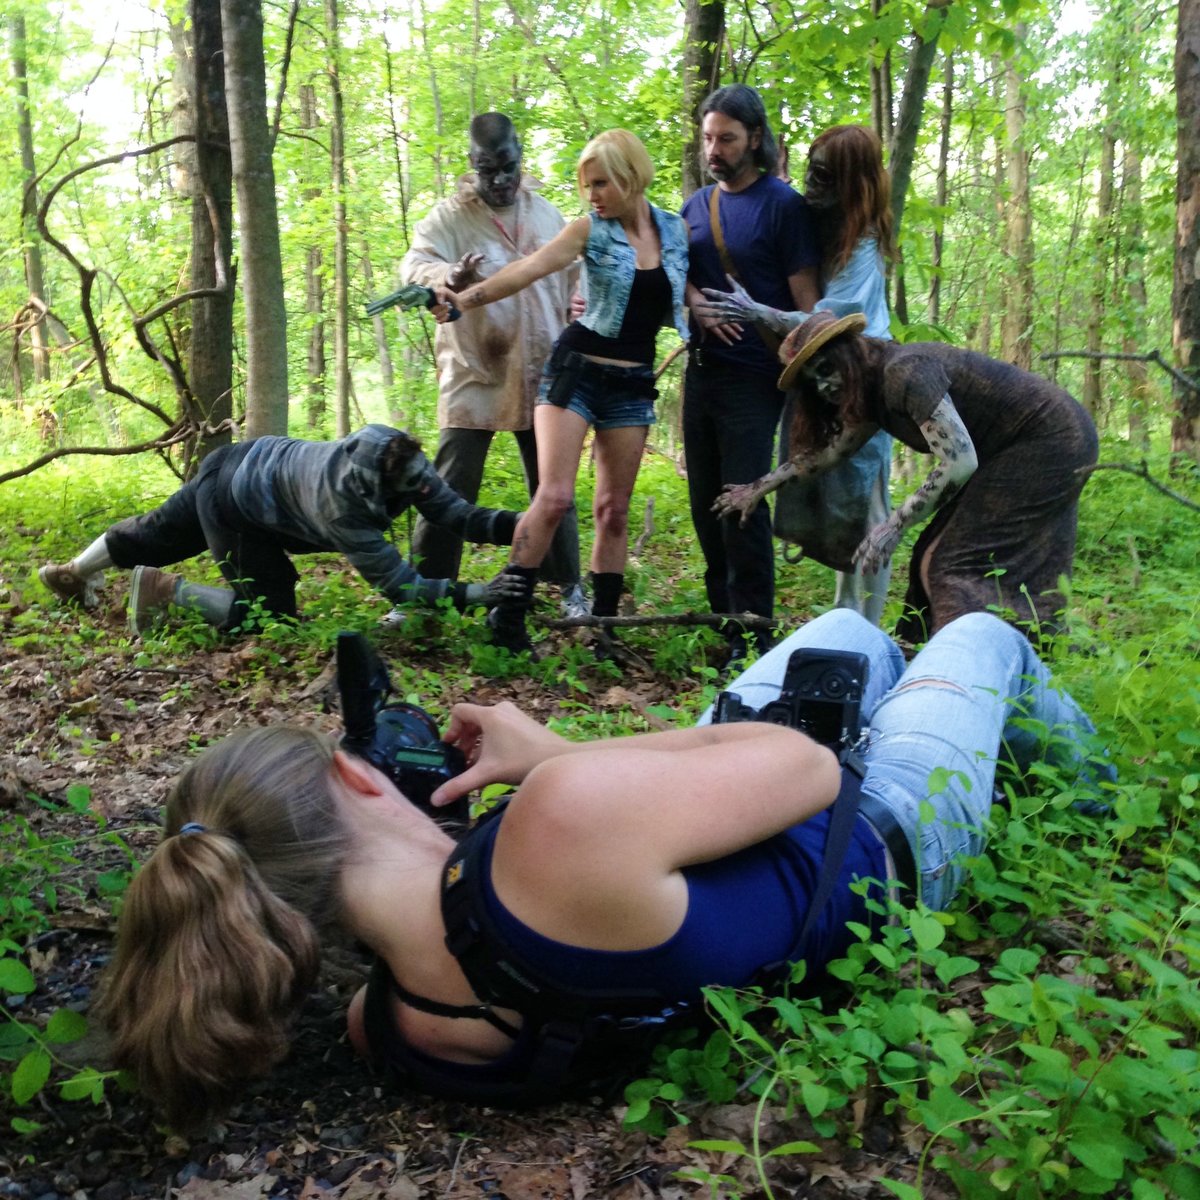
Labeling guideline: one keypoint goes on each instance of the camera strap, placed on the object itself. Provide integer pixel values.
(842, 818)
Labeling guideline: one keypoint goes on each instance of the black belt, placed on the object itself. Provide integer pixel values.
(884, 822)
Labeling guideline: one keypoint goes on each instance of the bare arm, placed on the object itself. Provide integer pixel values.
(743, 497)
(502, 744)
(951, 444)
(555, 255)
(805, 287)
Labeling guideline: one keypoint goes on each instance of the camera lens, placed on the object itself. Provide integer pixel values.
(833, 684)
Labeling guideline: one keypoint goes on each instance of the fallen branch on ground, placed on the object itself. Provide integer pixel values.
(712, 620)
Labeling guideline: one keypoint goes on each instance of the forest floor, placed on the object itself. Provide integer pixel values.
(123, 722)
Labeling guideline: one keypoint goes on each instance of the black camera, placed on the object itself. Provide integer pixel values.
(821, 696)
(400, 739)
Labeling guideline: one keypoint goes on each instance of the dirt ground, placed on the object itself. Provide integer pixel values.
(320, 1126)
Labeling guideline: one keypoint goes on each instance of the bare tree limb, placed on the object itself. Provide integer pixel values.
(551, 65)
(1142, 472)
(1151, 356)
(181, 431)
(283, 71)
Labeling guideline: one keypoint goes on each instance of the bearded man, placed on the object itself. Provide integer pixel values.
(754, 227)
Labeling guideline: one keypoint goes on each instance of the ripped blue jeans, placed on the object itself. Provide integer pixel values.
(977, 692)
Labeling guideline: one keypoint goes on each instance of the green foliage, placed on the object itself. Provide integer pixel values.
(30, 882)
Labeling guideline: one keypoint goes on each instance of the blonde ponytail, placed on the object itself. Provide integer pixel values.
(217, 943)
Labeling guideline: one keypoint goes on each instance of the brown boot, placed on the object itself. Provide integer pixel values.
(151, 591)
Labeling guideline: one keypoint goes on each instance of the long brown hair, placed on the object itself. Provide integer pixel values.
(217, 943)
(854, 161)
(815, 423)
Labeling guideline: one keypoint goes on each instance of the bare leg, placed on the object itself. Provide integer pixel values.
(618, 457)
(560, 435)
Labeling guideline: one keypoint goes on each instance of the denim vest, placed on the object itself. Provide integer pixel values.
(609, 262)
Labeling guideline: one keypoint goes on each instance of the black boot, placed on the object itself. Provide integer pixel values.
(507, 620)
(607, 587)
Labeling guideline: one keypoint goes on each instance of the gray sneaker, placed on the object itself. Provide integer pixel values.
(68, 584)
(150, 592)
(575, 603)
(396, 619)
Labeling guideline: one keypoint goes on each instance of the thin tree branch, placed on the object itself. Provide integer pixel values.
(1152, 356)
(551, 65)
(283, 71)
(181, 431)
(1142, 472)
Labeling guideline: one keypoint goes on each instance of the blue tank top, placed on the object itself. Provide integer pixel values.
(745, 912)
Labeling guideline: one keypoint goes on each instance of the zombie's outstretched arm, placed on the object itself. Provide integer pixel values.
(738, 307)
(743, 497)
(951, 444)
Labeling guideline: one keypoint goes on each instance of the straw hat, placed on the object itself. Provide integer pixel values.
(807, 338)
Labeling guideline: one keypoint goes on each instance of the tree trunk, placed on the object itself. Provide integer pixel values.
(1093, 396)
(210, 365)
(1017, 329)
(387, 373)
(704, 26)
(912, 104)
(337, 154)
(939, 233)
(258, 219)
(1185, 300)
(31, 244)
(1134, 337)
(314, 288)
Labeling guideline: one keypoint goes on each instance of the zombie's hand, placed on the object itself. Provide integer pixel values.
(465, 271)
(876, 548)
(498, 589)
(577, 307)
(741, 498)
(739, 307)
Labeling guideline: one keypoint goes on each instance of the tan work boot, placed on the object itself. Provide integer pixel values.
(68, 584)
(150, 593)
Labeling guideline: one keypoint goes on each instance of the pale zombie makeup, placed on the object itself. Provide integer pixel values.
(825, 378)
(497, 173)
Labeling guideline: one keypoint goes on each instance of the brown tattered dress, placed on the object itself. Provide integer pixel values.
(1002, 544)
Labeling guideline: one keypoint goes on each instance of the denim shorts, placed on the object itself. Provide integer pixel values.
(604, 395)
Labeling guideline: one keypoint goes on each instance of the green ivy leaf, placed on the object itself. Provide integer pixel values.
(25, 1127)
(30, 1076)
(66, 1026)
(16, 979)
(718, 1146)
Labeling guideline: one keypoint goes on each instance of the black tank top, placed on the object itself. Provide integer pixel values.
(649, 299)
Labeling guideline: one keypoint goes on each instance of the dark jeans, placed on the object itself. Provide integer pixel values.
(460, 459)
(730, 420)
(201, 516)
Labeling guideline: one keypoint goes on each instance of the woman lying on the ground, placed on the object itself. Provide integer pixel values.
(645, 866)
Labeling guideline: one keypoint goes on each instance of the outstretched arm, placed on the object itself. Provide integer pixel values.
(743, 497)
(951, 444)
(738, 307)
(555, 255)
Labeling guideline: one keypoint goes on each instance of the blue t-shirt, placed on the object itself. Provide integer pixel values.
(770, 236)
